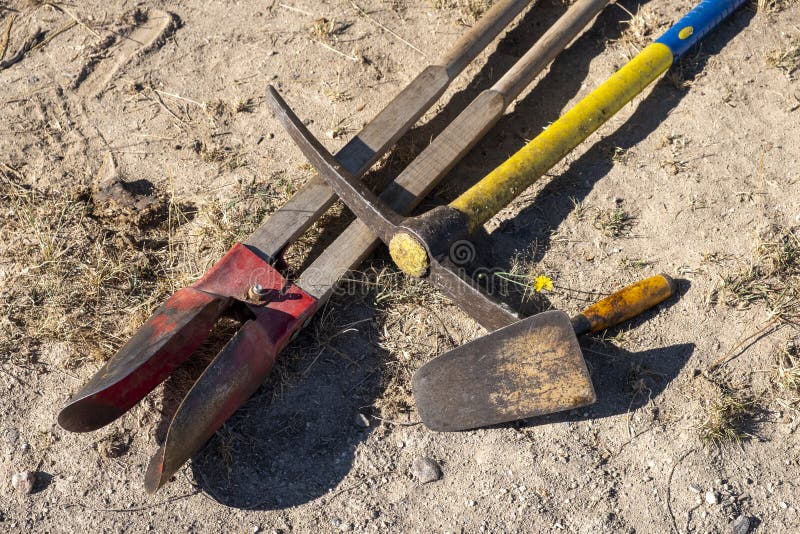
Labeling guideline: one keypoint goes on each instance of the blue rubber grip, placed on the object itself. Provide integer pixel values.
(696, 24)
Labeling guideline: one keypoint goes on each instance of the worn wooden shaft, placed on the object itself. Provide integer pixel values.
(626, 303)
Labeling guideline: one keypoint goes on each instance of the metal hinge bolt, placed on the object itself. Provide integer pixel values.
(257, 292)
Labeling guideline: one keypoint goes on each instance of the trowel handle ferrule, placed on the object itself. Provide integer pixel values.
(626, 303)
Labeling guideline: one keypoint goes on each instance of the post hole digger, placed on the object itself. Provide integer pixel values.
(245, 284)
(525, 367)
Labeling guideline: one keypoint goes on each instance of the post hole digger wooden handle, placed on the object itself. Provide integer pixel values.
(532, 367)
(625, 304)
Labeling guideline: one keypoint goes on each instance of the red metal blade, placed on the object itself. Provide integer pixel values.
(169, 337)
(231, 378)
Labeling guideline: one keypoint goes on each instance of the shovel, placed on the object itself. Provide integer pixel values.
(532, 367)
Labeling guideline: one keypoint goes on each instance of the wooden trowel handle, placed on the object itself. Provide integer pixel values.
(624, 304)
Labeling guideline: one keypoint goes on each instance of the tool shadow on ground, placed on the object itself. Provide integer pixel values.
(625, 381)
(288, 447)
(296, 438)
(551, 206)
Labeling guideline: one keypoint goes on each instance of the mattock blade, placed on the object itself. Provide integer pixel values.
(386, 222)
(358, 197)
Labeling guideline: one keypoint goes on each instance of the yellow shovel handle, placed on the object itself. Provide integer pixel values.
(502, 185)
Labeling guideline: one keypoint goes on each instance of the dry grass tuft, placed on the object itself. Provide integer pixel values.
(246, 105)
(67, 277)
(326, 30)
(786, 377)
(84, 284)
(217, 107)
(115, 444)
(640, 29)
(772, 278)
(415, 321)
(786, 59)
(614, 222)
(727, 415)
(226, 158)
(471, 10)
(522, 278)
(770, 7)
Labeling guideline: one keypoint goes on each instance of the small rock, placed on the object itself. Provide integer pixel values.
(741, 525)
(361, 420)
(24, 482)
(711, 497)
(11, 435)
(694, 488)
(783, 505)
(425, 470)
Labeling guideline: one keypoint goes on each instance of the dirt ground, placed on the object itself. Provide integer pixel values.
(135, 148)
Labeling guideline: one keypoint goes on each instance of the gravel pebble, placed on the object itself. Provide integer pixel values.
(741, 525)
(694, 488)
(425, 470)
(711, 497)
(11, 435)
(361, 420)
(23, 482)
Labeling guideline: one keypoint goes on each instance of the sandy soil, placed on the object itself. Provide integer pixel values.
(135, 148)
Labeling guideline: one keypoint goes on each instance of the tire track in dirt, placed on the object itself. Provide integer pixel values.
(148, 35)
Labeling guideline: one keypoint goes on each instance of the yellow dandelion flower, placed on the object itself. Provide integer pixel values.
(543, 282)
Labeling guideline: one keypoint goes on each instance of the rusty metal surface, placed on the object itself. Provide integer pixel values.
(228, 381)
(359, 198)
(532, 367)
(175, 331)
(490, 313)
(170, 336)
